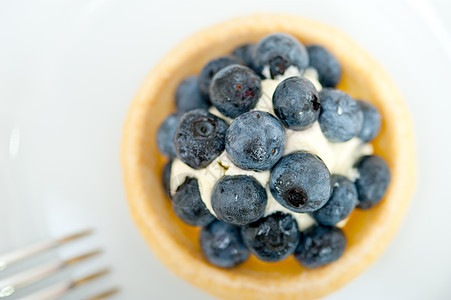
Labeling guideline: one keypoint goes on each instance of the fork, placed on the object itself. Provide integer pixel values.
(8, 286)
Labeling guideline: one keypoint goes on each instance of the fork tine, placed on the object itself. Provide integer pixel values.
(15, 256)
(82, 257)
(57, 290)
(105, 294)
(9, 285)
(90, 277)
(74, 236)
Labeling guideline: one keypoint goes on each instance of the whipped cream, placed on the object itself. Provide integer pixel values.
(338, 157)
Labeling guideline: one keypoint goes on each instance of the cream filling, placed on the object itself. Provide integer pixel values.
(338, 157)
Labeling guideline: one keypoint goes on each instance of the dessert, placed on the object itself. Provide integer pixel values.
(367, 232)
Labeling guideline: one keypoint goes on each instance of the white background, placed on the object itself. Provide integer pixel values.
(69, 70)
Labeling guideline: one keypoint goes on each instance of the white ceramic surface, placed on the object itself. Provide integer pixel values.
(69, 70)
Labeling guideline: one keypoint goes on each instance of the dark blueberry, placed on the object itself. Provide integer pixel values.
(301, 182)
(200, 138)
(373, 180)
(327, 66)
(239, 199)
(255, 141)
(320, 245)
(188, 205)
(340, 118)
(222, 244)
(188, 95)
(272, 238)
(371, 121)
(244, 53)
(280, 51)
(167, 178)
(296, 103)
(165, 135)
(341, 202)
(213, 67)
(235, 90)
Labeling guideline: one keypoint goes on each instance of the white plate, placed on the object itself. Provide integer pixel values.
(69, 70)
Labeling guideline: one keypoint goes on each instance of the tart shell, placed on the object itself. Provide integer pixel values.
(176, 244)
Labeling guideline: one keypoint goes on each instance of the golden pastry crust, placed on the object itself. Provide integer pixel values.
(176, 244)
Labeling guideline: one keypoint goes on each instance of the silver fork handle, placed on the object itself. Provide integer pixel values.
(11, 284)
(17, 255)
(51, 293)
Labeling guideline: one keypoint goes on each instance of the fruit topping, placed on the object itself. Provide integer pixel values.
(222, 244)
(213, 67)
(167, 178)
(373, 180)
(341, 203)
(244, 53)
(320, 245)
(235, 90)
(200, 138)
(188, 95)
(255, 141)
(188, 205)
(260, 177)
(272, 238)
(340, 118)
(165, 135)
(327, 66)
(301, 182)
(296, 103)
(371, 121)
(239, 199)
(279, 51)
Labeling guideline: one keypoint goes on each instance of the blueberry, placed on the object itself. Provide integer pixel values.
(213, 67)
(188, 95)
(320, 245)
(235, 90)
(371, 121)
(239, 199)
(340, 118)
(272, 238)
(167, 178)
(222, 245)
(327, 66)
(280, 51)
(165, 135)
(373, 180)
(296, 103)
(244, 53)
(301, 182)
(255, 141)
(200, 138)
(341, 202)
(188, 205)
